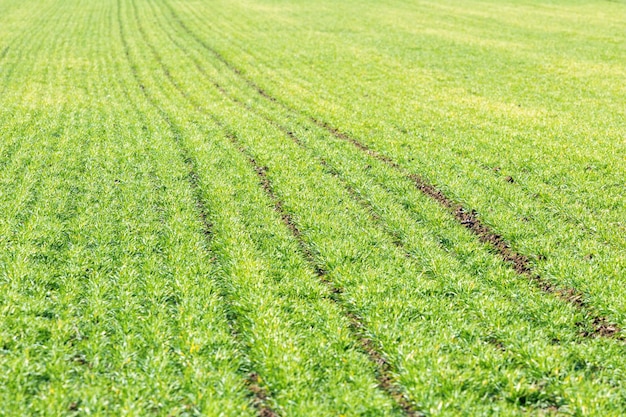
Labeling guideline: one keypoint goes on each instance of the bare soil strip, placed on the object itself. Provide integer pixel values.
(601, 326)
(469, 218)
(259, 394)
(384, 370)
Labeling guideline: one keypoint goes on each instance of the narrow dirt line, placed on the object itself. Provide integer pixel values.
(520, 264)
(221, 57)
(469, 219)
(384, 370)
(260, 396)
(262, 92)
(602, 327)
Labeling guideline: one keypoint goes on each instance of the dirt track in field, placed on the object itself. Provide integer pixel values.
(384, 370)
(469, 218)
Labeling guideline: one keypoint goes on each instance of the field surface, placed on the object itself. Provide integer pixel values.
(312, 208)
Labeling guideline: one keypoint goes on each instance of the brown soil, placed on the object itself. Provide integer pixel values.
(384, 370)
(469, 218)
(260, 397)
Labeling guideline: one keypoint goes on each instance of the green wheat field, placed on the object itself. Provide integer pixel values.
(312, 208)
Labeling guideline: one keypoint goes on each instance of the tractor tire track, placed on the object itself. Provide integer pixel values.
(520, 263)
(601, 326)
(527, 192)
(260, 396)
(384, 369)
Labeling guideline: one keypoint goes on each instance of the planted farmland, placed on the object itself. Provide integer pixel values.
(289, 208)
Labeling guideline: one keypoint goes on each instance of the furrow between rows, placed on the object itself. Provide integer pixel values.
(528, 191)
(602, 326)
(469, 219)
(198, 96)
(385, 371)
